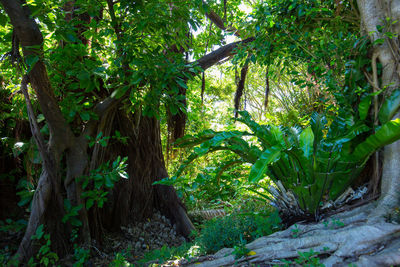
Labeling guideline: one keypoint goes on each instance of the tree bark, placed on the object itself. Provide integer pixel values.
(374, 13)
(136, 199)
(216, 56)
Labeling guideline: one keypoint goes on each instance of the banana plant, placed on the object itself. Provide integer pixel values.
(315, 164)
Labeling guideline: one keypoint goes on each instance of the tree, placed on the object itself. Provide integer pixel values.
(84, 104)
(379, 21)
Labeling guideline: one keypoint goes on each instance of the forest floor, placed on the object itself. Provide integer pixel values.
(132, 242)
(342, 239)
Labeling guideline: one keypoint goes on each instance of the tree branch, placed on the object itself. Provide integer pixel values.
(225, 51)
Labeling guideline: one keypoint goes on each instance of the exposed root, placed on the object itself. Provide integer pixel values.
(349, 237)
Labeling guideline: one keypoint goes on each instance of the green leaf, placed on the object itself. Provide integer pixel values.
(108, 182)
(173, 109)
(85, 116)
(3, 20)
(181, 83)
(306, 141)
(364, 106)
(389, 107)
(167, 181)
(89, 203)
(31, 61)
(317, 123)
(387, 134)
(260, 167)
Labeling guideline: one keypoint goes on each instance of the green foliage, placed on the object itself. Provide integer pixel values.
(71, 213)
(314, 163)
(81, 255)
(240, 250)
(333, 224)
(9, 225)
(102, 179)
(45, 256)
(307, 258)
(186, 250)
(7, 259)
(119, 261)
(389, 107)
(236, 229)
(295, 231)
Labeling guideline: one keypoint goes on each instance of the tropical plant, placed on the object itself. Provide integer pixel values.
(314, 164)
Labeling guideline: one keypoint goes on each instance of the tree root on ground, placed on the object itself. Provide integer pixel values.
(349, 237)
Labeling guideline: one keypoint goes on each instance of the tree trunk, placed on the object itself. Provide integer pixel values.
(374, 13)
(135, 199)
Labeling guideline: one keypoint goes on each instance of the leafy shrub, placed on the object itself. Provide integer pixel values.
(119, 261)
(102, 178)
(233, 230)
(45, 256)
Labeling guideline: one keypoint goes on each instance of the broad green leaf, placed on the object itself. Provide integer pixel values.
(387, 134)
(181, 83)
(389, 107)
(306, 141)
(260, 167)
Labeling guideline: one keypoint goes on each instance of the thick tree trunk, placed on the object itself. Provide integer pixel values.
(135, 199)
(374, 13)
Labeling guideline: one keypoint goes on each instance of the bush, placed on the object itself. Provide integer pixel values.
(232, 230)
(315, 164)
